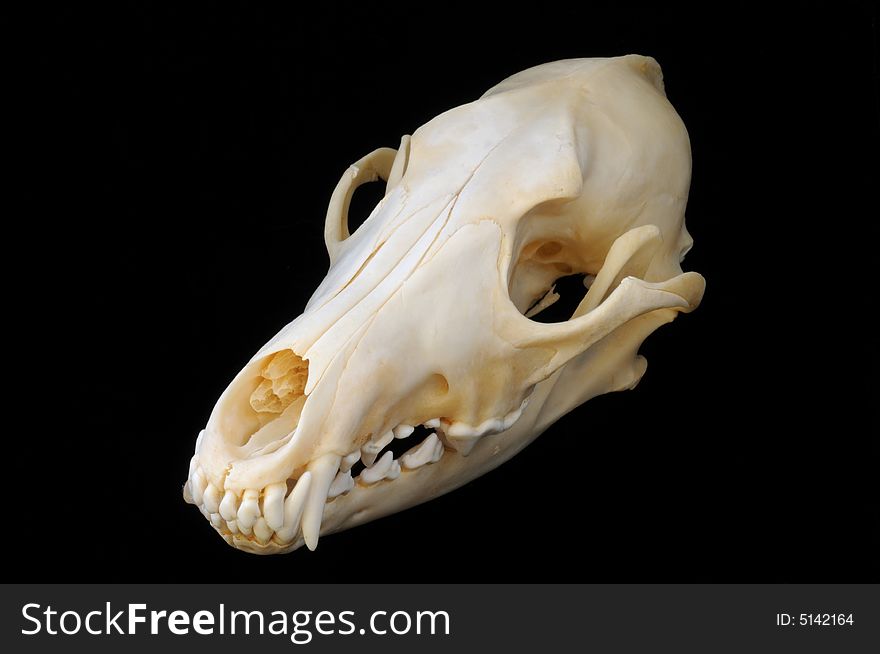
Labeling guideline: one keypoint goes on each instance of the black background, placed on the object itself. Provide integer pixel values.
(183, 162)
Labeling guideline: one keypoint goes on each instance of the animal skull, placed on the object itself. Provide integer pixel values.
(577, 166)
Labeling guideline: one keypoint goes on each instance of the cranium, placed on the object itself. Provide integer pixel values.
(425, 316)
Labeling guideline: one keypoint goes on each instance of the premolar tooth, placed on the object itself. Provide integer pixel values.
(212, 499)
(342, 483)
(378, 471)
(421, 453)
(394, 471)
(368, 458)
(229, 506)
(249, 510)
(197, 487)
(376, 446)
(433, 423)
(402, 431)
(323, 471)
(262, 531)
(273, 504)
(293, 508)
(349, 460)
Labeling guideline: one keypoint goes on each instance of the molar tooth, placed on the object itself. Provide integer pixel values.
(402, 431)
(438, 452)
(249, 510)
(217, 521)
(273, 504)
(197, 487)
(212, 499)
(229, 506)
(377, 472)
(433, 423)
(421, 453)
(342, 483)
(349, 460)
(262, 531)
(293, 508)
(323, 471)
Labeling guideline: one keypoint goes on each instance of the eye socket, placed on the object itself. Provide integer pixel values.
(548, 281)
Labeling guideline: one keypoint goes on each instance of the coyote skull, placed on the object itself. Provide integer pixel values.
(420, 337)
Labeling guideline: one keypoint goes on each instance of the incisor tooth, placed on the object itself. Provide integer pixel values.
(342, 483)
(193, 465)
(262, 531)
(249, 510)
(212, 499)
(232, 526)
(247, 531)
(187, 493)
(349, 460)
(323, 471)
(402, 431)
(197, 487)
(273, 504)
(421, 453)
(229, 506)
(377, 472)
(293, 508)
(217, 521)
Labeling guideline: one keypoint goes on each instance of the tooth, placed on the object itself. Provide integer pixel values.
(199, 440)
(341, 484)
(374, 447)
(232, 526)
(212, 499)
(421, 453)
(349, 460)
(293, 508)
(433, 423)
(273, 504)
(323, 471)
(193, 465)
(368, 458)
(249, 510)
(463, 444)
(377, 472)
(217, 521)
(197, 487)
(247, 531)
(393, 472)
(262, 531)
(229, 506)
(187, 493)
(402, 431)
(438, 452)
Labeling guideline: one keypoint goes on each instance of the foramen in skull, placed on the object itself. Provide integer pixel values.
(425, 316)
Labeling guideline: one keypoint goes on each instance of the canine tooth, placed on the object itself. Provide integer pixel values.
(197, 488)
(349, 460)
(212, 499)
(378, 471)
(323, 471)
(293, 508)
(433, 423)
(232, 526)
(262, 531)
(249, 510)
(376, 446)
(421, 453)
(229, 505)
(342, 483)
(217, 521)
(402, 431)
(273, 504)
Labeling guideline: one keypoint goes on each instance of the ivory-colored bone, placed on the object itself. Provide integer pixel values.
(424, 329)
